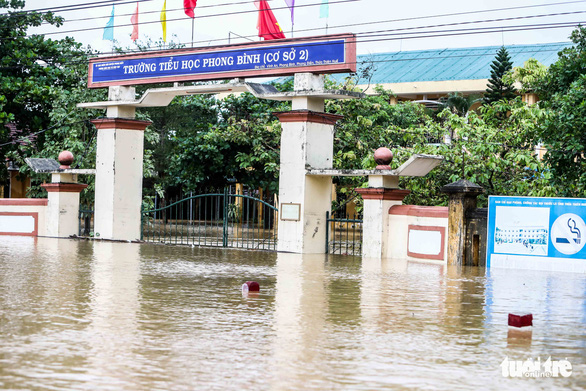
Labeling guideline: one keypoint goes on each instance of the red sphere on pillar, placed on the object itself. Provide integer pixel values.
(65, 159)
(383, 157)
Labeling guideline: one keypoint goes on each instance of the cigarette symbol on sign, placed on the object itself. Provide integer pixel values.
(566, 233)
(573, 229)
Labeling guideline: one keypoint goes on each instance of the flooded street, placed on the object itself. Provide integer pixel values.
(86, 315)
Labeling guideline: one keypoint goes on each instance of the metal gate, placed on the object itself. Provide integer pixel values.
(343, 235)
(215, 219)
(86, 221)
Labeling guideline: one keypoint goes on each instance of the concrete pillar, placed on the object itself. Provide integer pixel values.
(382, 193)
(462, 197)
(62, 217)
(119, 176)
(307, 140)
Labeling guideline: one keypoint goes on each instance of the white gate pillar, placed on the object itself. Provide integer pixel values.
(306, 141)
(62, 217)
(381, 194)
(119, 178)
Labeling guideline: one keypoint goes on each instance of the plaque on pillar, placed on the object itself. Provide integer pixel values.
(290, 212)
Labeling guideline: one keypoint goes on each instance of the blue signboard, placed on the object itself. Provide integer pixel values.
(537, 233)
(230, 61)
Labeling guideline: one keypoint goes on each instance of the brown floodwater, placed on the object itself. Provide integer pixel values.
(81, 315)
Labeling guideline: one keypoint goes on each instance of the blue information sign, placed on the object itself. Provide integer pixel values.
(230, 61)
(537, 233)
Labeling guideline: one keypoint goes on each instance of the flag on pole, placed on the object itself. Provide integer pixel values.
(164, 20)
(188, 6)
(267, 25)
(109, 29)
(134, 21)
(324, 9)
(291, 5)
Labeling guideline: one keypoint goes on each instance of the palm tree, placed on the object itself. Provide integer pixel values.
(458, 103)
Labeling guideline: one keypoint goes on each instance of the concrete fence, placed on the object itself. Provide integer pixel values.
(23, 216)
(418, 233)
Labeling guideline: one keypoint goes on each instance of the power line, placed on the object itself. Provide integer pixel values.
(387, 35)
(152, 12)
(475, 22)
(414, 35)
(108, 3)
(197, 17)
(391, 36)
(315, 4)
(76, 7)
(365, 34)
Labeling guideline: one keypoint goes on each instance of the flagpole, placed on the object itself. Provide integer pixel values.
(192, 29)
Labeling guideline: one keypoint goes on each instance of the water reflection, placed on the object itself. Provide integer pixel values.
(85, 315)
(300, 314)
(114, 306)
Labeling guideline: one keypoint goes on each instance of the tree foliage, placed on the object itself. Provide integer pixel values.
(207, 142)
(493, 148)
(41, 81)
(499, 88)
(563, 94)
(529, 75)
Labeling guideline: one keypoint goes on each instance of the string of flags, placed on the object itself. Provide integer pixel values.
(267, 25)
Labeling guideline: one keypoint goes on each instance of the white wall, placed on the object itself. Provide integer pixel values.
(23, 216)
(417, 233)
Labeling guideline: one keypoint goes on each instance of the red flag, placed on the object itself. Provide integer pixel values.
(267, 25)
(188, 6)
(134, 21)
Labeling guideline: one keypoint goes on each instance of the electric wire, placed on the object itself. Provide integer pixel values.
(198, 17)
(399, 30)
(340, 26)
(110, 2)
(152, 12)
(402, 33)
(365, 34)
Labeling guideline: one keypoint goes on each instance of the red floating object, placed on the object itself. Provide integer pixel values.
(520, 320)
(252, 286)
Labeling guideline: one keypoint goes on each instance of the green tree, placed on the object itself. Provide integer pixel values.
(528, 75)
(458, 103)
(207, 142)
(41, 80)
(563, 95)
(497, 87)
(493, 148)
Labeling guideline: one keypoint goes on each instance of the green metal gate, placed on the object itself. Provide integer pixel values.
(214, 219)
(343, 235)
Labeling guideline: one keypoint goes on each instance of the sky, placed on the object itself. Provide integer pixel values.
(381, 25)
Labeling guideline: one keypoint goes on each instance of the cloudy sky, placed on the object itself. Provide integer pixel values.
(381, 25)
